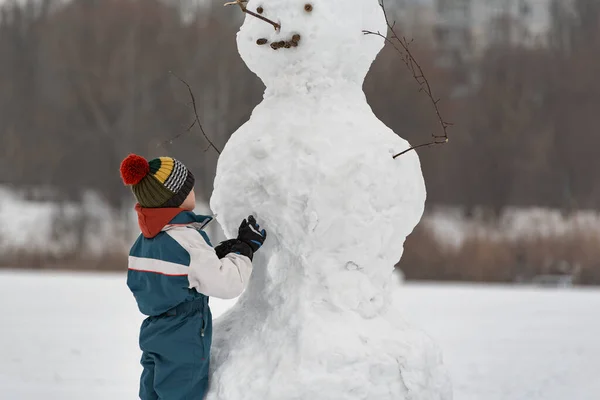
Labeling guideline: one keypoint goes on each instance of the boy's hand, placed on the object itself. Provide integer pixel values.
(233, 246)
(251, 234)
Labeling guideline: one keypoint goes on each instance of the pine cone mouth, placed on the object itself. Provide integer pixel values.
(282, 44)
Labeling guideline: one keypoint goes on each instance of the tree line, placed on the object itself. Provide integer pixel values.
(85, 82)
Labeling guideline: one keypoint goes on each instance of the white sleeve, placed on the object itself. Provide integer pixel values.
(224, 278)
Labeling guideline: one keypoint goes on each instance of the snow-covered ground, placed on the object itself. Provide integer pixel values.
(74, 336)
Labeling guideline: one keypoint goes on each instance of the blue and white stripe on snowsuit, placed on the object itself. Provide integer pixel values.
(180, 265)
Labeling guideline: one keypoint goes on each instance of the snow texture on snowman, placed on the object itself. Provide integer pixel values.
(315, 165)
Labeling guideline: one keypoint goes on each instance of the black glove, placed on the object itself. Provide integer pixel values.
(234, 246)
(251, 234)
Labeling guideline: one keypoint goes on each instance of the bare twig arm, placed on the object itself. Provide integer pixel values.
(401, 45)
(197, 118)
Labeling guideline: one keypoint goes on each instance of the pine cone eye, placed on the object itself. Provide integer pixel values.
(308, 7)
(260, 10)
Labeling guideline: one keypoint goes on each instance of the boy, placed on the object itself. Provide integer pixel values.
(172, 271)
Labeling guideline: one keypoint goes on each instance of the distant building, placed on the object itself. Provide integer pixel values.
(524, 22)
(454, 31)
(559, 281)
(414, 19)
(559, 273)
(465, 28)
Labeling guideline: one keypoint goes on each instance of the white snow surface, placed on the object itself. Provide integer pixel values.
(75, 336)
(315, 165)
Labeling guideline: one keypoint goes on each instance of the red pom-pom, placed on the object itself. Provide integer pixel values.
(133, 169)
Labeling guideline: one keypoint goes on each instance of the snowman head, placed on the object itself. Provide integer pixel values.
(319, 42)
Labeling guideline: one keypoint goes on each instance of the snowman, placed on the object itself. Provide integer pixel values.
(315, 166)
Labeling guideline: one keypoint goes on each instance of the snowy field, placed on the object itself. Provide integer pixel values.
(74, 336)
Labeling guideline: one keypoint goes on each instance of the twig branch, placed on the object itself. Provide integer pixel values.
(196, 120)
(401, 45)
(242, 5)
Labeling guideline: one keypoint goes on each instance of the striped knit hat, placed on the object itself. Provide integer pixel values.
(162, 182)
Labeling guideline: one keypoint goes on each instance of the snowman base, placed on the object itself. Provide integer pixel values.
(323, 356)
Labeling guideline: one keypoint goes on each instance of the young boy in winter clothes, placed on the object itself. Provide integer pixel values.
(173, 269)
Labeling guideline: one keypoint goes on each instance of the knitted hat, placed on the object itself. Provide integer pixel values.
(162, 182)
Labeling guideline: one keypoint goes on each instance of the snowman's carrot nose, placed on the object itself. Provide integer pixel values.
(242, 4)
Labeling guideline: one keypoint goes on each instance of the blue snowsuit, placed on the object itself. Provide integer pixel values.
(172, 271)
